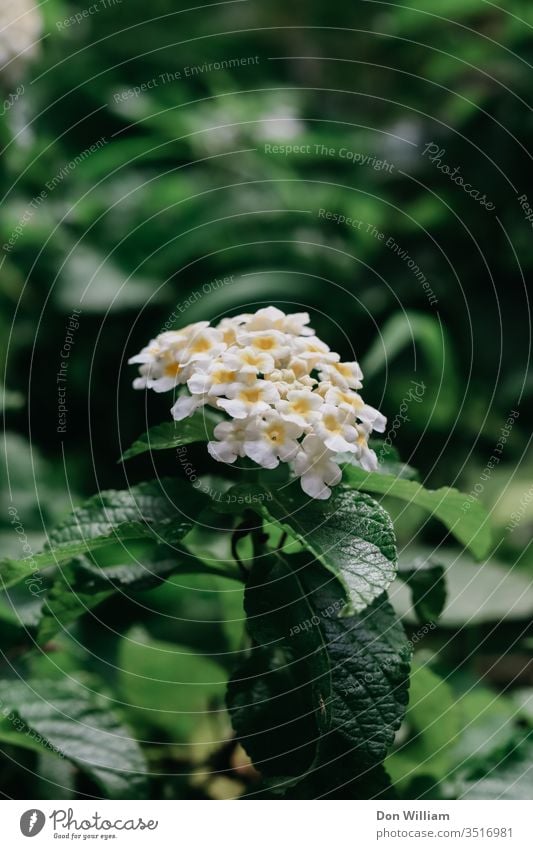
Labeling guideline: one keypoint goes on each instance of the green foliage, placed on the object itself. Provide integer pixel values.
(149, 510)
(349, 534)
(315, 678)
(183, 215)
(470, 526)
(426, 581)
(199, 428)
(72, 722)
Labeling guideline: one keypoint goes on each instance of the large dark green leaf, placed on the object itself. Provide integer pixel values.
(69, 720)
(350, 534)
(163, 510)
(198, 428)
(318, 686)
(469, 524)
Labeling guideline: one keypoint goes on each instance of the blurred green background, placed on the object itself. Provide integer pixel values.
(145, 165)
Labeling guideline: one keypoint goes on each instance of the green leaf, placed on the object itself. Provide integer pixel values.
(69, 720)
(470, 526)
(423, 337)
(350, 534)
(316, 683)
(426, 580)
(490, 594)
(390, 462)
(432, 726)
(198, 428)
(81, 586)
(163, 510)
(489, 723)
(506, 776)
(171, 688)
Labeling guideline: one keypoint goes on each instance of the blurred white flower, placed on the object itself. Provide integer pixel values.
(289, 398)
(21, 27)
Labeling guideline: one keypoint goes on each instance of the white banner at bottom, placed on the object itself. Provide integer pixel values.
(226, 825)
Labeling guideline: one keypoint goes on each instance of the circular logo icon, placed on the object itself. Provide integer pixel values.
(32, 822)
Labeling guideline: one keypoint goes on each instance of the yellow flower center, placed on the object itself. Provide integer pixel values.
(251, 395)
(172, 369)
(275, 434)
(265, 343)
(201, 345)
(229, 336)
(224, 376)
(301, 406)
(331, 424)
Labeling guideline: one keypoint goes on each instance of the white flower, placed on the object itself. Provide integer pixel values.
(301, 407)
(270, 318)
(287, 381)
(249, 360)
(270, 439)
(163, 373)
(203, 345)
(316, 468)
(230, 445)
(366, 456)
(345, 375)
(314, 352)
(267, 342)
(249, 399)
(186, 405)
(345, 399)
(336, 429)
(261, 370)
(214, 378)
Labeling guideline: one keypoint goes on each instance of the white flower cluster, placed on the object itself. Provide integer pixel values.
(289, 397)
